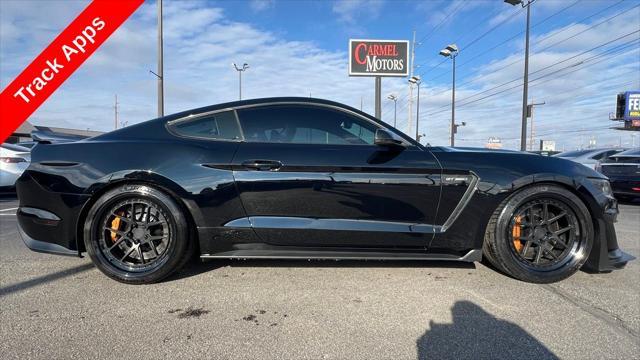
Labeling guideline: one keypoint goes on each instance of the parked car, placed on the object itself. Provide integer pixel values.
(623, 171)
(14, 160)
(302, 178)
(589, 157)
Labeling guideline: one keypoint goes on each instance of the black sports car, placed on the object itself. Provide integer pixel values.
(623, 171)
(308, 178)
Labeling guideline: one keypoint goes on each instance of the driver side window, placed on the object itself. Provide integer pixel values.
(301, 124)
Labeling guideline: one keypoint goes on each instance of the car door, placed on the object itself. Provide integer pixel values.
(311, 176)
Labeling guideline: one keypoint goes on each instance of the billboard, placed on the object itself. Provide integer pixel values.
(632, 106)
(378, 57)
(547, 145)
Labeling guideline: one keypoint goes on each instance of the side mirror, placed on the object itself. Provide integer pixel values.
(386, 138)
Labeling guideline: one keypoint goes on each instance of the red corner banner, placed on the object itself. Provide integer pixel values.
(60, 59)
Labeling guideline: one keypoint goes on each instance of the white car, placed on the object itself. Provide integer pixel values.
(589, 157)
(14, 160)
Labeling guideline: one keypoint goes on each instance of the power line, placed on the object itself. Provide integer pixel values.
(549, 66)
(511, 38)
(439, 25)
(538, 42)
(583, 119)
(462, 103)
(519, 58)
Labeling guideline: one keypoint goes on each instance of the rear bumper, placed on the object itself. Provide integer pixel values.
(48, 220)
(625, 186)
(44, 247)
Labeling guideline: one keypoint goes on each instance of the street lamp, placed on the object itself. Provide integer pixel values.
(525, 89)
(240, 70)
(416, 80)
(451, 51)
(394, 98)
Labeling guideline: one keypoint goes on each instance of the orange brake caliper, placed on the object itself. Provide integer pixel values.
(115, 225)
(516, 233)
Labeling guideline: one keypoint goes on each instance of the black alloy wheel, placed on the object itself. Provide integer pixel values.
(137, 234)
(541, 234)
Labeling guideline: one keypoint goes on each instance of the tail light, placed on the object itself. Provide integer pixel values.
(12, 160)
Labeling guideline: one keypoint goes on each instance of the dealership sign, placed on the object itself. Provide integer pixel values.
(378, 57)
(632, 106)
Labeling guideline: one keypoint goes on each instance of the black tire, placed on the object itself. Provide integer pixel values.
(167, 229)
(561, 255)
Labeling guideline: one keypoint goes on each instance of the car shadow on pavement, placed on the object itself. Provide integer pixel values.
(23, 285)
(476, 334)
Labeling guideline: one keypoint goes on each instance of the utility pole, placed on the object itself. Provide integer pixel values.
(160, 74)
(413, 57)
(525, 89)
(415, 80)
(378, 105)
(530, 115)
(115, 109)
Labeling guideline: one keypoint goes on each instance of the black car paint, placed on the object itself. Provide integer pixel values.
(366, 201)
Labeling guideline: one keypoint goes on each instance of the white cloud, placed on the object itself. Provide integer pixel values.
(349, 11)
(261, 5)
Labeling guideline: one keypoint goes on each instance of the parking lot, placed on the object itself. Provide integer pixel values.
(62, 307)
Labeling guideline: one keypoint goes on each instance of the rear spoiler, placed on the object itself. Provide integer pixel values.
(49, 137)
(37, 137)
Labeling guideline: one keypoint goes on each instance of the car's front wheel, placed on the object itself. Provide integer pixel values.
(541, 234)
(137, 234)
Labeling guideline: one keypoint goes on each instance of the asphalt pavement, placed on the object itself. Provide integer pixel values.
(62, 307)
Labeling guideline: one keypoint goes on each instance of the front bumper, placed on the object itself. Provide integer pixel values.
(606, 255)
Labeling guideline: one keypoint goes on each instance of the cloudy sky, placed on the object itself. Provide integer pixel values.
(583, 53)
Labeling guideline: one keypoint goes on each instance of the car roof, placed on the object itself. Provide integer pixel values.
(584, 152)
(266, 101)
(628, 153)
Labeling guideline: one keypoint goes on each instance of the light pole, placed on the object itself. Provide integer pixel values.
(451, 51)
(525, 89)
(394, 98)
(240, 70)
(416, 80)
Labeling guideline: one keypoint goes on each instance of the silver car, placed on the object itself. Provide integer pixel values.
(589, 157)
(14, 160)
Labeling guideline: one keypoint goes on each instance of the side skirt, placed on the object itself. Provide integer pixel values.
(471, 256)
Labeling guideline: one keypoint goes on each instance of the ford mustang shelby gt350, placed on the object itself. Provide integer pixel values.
(311, 179)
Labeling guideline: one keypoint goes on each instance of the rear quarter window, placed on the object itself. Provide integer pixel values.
(220, 126)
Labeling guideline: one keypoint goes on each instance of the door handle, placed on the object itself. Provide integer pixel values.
(262, 165)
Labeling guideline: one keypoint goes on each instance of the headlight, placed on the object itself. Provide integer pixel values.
(602, 185)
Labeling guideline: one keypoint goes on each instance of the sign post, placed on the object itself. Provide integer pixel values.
(378, 58)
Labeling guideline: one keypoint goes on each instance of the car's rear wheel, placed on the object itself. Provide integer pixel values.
(541, 234)
(137, 234)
